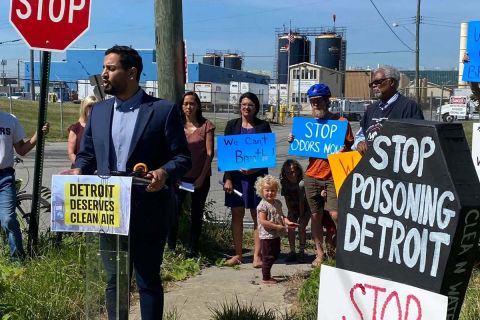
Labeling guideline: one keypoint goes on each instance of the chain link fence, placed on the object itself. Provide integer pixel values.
(444, 102)
(220, 105)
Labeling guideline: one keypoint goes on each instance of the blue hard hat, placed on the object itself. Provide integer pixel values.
(319, 90)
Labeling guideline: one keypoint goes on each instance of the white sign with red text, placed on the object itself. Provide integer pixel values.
(346, 295)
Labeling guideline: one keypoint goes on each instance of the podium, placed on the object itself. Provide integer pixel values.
(100, 207)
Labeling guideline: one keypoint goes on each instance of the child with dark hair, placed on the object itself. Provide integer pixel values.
(293, 190)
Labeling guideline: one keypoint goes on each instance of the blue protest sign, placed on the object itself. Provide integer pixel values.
(246, 151)
(317, 137)
(471, 70)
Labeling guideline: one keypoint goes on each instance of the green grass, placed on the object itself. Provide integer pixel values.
(63, 280)
(236, 311)
(47, 287)
(471, 304)
(176, 267)
(467, 128)
(27, 112)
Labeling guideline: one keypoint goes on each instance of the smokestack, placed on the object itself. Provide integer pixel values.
(463, 49)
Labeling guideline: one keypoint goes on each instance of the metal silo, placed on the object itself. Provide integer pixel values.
(328, 50)
(307, 51)
(212, 59)
(282, 62)
(298, 49)
(232, 61)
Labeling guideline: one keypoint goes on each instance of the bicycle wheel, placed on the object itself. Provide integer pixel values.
(23, 209)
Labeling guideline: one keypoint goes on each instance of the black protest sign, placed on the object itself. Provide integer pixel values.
(409, 211)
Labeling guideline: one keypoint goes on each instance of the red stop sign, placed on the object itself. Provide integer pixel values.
(51, 25)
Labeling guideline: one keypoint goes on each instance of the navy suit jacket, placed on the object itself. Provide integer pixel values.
(158, 141)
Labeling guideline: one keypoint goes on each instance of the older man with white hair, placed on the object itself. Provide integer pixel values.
(390, 105)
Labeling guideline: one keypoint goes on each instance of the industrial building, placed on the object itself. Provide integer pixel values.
(304, 75)
(294, 47)
(291, 52)
(438, 77)
(356, 84)
(229, 59)
(79, 65)
(210, 73)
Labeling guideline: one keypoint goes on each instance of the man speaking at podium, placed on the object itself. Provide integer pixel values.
(121, 132)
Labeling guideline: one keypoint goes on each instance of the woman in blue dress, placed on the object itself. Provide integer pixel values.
(244, 180)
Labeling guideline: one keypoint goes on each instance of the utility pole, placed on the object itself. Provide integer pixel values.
(18, 75)
(4, 63)
(170, 49)
(299, 95)
(417, 54)
(32, 76)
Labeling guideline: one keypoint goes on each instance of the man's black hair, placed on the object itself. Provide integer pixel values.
(129, 58)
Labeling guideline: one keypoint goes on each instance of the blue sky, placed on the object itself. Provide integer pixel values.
(249, 25)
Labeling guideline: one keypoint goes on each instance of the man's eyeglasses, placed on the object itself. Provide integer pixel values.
(377, 82)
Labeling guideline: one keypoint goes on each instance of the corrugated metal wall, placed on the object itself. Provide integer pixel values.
(356, 84)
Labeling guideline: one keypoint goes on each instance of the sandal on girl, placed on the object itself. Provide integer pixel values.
(270, 281)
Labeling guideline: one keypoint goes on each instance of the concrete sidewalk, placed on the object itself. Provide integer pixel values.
(214, 286)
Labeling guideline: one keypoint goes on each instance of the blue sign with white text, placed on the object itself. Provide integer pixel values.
(246, 151)
(317, 137)
(471, 69)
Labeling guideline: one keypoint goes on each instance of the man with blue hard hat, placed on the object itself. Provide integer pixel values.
(319, 187)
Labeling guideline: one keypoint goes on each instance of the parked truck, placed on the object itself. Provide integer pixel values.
(458, 108)
(213, 95)
(353, 110)
(238, 88)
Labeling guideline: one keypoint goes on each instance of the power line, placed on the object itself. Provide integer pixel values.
(442, 25)
(389, 27)
(436, 19)
(10, 41)
(409, 19)
(379, 52)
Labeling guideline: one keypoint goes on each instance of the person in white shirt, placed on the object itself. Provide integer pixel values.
(12, 139)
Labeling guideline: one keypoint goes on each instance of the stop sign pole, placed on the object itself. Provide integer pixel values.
(38, 170)
(47, 25)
